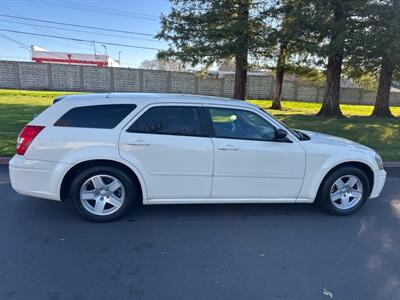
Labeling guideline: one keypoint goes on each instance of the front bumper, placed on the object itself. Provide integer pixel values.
(36, 178)
(379, 182)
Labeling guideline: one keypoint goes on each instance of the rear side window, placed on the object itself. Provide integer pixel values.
(174, 120)
(96, 116)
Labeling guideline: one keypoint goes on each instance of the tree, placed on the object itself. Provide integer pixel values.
(330, 105)
(203, 32)
(165, 65)
(241, 53)
(388, 50)
(285, 37)
(296, 35)
(377, 54)
(382, 105)
(326, 25)
(280, 72)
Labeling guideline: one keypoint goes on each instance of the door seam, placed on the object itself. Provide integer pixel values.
(213, 168)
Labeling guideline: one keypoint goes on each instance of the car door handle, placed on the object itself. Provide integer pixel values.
(228, 147)
(138, 142)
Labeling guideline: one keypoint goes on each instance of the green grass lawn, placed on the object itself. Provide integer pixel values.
(18, 107)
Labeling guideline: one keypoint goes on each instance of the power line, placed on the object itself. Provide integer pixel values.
(25, 45)
(15, 41)
(108, 9)
(94, 9)
(82, 31)
(79, 40)
(76, 25)
(43, 31)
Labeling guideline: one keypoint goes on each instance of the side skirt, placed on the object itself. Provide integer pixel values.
(223, 201)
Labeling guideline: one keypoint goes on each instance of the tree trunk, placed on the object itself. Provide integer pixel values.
(382, 105)
(240, 77)
(280, 72)
(331, 103)
(241, 55)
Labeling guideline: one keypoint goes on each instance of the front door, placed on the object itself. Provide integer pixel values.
(249, 163)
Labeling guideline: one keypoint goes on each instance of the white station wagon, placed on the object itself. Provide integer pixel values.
(106, 152)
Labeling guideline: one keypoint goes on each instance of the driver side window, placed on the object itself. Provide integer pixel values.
(240, 124)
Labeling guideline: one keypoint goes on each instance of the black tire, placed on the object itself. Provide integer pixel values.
(324, 199)
(83, 175)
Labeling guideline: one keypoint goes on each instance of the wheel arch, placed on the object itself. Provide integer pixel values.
(356, 164)
(68, 177)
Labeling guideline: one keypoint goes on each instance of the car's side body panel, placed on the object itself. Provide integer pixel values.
(37, 178)
(175, 167)
(320, 159)
(183, 169)
(257, 169)
(65, 147)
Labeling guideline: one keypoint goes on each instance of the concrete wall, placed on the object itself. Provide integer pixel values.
(58, 77)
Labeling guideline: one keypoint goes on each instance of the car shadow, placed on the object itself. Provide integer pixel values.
(43, 210)
(64, 211)
(222, 210)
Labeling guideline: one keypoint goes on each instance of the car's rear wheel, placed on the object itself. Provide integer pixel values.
(344, 191)
(102, 193)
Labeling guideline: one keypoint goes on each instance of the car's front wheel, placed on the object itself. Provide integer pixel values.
(344, 191)
(102, 193)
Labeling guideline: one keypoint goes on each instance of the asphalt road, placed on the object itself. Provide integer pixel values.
(200, 251)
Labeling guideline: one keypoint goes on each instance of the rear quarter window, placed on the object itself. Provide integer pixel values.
(105, 116)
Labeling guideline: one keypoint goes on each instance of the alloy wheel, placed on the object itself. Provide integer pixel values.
(102, 194)
(346, 192)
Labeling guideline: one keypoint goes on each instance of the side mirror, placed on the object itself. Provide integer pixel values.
(280, 135)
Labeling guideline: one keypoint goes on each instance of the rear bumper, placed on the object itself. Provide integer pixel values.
(379, 182)
(36, 178)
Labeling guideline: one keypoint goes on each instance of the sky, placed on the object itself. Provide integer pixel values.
(140, 16)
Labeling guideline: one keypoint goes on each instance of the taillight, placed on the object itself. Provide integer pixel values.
(26, 137)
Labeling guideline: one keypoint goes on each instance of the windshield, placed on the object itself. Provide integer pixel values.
(296, 133)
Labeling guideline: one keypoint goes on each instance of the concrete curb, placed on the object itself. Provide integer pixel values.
(387, 164)
(4, 160)
(391, 164)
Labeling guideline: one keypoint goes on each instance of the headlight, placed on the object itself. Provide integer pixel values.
(379, 161)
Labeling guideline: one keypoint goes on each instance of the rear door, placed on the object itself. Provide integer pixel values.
(169, 145)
